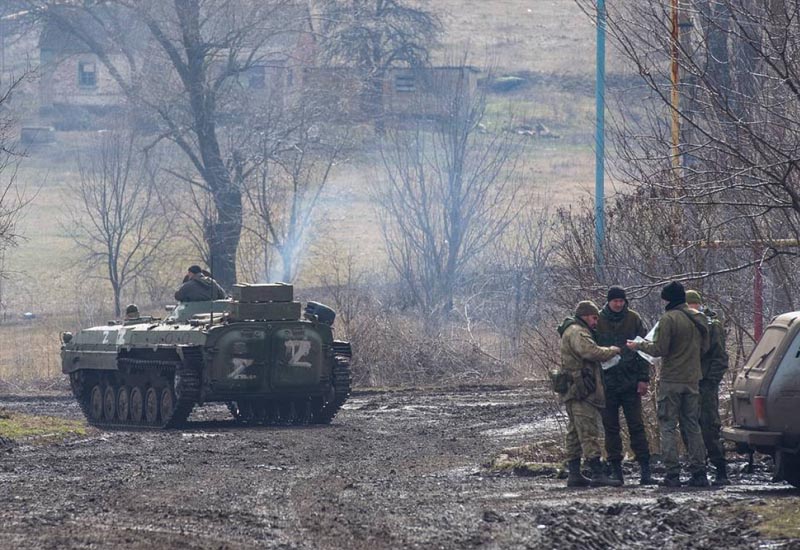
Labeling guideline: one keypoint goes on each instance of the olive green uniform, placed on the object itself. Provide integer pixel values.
(713, 365)
(621, 383)
(580, 357)
(200, 289)
(679, 340)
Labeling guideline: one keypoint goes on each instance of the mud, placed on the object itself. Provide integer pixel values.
(395, 469)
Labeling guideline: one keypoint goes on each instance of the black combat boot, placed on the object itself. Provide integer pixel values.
(576, 478)
(721, 474)
(699, 479)
(599, 477)
(671, 480)
(646, 478)
(616, 471)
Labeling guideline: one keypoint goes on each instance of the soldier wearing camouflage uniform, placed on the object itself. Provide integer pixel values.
(714, 363)
(585, 396)
(680, 338)
(625, 384)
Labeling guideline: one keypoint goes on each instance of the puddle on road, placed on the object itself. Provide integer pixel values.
(545, 425)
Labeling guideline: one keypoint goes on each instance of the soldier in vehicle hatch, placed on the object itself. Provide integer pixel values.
(626, 383)
(584, 396)
(132, 312)
(713, 363)
(199, 286)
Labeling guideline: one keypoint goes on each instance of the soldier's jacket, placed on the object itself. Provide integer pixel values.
(680, 341)
(714, 363)
(579, 351)
(200, 289)
(613, 329)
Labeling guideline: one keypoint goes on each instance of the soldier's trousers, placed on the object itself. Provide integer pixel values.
(710, 423)
(584, 434)
(631, 404)
(680, 403)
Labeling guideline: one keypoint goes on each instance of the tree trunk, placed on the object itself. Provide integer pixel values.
(223, 236)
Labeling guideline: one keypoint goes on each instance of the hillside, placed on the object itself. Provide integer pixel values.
(550, 36)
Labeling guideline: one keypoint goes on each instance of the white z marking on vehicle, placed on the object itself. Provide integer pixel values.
(296, 350)
(105, 337)
(240, 365)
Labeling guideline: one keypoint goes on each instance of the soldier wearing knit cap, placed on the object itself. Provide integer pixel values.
(625, 383)
(580, 357)
(680, 338)
(199, 286)
(713, 365)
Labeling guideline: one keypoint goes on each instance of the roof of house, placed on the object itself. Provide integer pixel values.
(63, 26)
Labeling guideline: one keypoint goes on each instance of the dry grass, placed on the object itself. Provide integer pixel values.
(778, 519)
(38, 428)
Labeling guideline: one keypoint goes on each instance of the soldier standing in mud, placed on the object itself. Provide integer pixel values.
(625, 384)
(199, 286)
(680, 338)
(713, 363)
(584, 397)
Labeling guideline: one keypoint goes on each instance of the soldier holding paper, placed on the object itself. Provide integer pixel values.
(625, 382)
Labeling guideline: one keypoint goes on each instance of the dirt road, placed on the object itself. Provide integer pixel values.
(394, 470)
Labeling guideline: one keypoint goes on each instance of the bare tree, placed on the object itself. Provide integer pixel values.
(181, 63)
(374, 35)
(118, 222)
(285, 188)
(732, 203)
(450, 192)
(13, 199)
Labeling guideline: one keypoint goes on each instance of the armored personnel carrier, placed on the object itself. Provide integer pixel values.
(766, 398)
(254, 352)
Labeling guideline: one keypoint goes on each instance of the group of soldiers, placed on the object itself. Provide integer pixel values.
(602, 372)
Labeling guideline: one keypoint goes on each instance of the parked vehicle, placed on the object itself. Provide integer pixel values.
(766, 398)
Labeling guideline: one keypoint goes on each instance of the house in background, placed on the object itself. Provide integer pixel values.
(405, 93)
(428, 92)
(74, 85)
(77, 91)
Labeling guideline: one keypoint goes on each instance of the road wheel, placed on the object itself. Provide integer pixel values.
(275, 413)
(167, 404)
(260, 412)
(96, 403)
(123, 404)
(288, 412)
(789, 467)
(303, 412)
(137, 405)
(151, 406)
(109, 403)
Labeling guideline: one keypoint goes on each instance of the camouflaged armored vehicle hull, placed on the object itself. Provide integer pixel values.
(260, 357)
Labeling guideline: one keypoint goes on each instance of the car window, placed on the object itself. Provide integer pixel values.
(760, 357)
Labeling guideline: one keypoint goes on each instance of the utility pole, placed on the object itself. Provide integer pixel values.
(599, 178)
(675, 95)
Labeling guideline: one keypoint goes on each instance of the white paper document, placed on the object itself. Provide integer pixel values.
(649, 358)
(613, 362)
